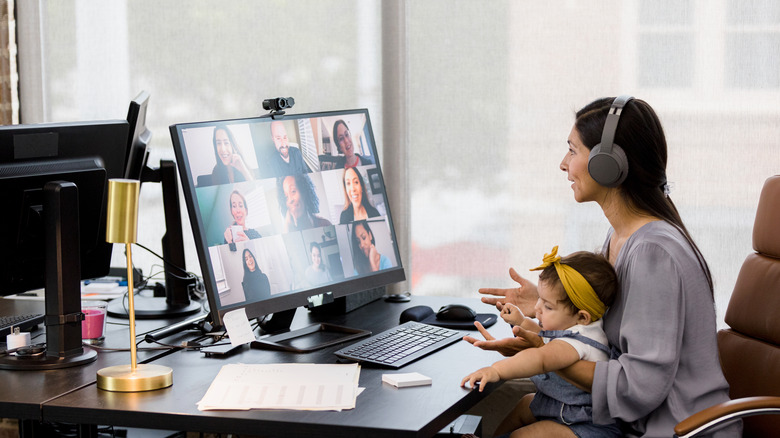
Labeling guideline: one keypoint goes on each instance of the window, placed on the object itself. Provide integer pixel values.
(487, 93)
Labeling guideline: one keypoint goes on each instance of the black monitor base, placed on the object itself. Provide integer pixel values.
(151, 308)
(311, 338)
(63, 287)
(38, 360)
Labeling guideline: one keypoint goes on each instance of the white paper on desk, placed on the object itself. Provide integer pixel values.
(298, 386)
(238, 328)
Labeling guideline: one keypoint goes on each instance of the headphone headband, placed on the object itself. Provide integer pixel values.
(610, 126)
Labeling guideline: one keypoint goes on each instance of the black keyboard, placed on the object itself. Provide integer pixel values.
(400, 345)
(24, 322)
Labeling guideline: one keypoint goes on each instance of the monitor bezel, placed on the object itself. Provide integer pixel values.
(286, 301)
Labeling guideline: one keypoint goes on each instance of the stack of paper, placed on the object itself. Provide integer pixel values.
(404, 380)
(297, 386)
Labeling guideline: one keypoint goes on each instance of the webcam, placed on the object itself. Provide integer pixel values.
(278, 103)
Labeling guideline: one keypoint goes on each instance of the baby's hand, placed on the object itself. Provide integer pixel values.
(483, 376)
(512, 314)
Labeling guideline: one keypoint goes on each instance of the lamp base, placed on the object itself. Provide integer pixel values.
(146, 377)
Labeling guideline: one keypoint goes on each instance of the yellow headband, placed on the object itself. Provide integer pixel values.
(578, 289)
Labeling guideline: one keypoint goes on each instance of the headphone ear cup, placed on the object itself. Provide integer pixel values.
(608, 169)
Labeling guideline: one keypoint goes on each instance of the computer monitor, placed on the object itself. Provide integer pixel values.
(53, 188)
(30, 156)
(279, 218)
(173, 298)
(138, 138)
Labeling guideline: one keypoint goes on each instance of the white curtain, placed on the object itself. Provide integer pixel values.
(471, 101)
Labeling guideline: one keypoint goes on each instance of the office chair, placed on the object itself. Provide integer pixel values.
(750, 348)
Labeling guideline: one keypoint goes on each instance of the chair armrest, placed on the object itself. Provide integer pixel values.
(724, 412)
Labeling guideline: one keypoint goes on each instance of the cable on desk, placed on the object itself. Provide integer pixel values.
(111, 349)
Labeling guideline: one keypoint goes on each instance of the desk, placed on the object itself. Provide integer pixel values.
(381, 410)
(24, 392)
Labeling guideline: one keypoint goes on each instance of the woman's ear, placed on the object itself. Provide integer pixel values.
(583, 317)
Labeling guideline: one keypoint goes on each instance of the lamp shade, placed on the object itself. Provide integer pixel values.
(122, 214)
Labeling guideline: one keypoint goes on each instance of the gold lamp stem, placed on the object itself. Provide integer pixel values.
(133, 351)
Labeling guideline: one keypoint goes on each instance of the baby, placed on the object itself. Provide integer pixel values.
(574, 292)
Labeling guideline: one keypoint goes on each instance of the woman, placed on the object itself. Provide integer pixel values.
(238, 230)
(356, 203)
(366, 257)
(230, 167)
(299, 203)
(317, 272)
(345, 146)
(662, 325)
(256, 284)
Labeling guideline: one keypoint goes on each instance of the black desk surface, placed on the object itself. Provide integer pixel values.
(381, 410)
(24, 392)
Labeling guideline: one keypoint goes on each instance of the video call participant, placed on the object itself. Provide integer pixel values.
(230, 167)
(238, 230)
(364, 253)
(316, 272)
(345, 146)
(356, 203)
(256, 285)
(287, 160)
(299, 203)
(662, 324)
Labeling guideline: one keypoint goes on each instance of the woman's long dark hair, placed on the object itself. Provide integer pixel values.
(642, 138)
(246, 268)
(306, 189)
(362, 264)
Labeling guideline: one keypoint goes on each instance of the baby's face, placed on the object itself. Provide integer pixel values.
(551, 311)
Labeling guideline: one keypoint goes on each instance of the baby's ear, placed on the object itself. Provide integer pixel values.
(583, 317)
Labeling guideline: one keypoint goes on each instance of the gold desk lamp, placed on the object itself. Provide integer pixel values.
(121, 227)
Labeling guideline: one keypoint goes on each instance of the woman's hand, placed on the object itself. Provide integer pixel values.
(241, 236)
(525, 338)
(229, 235)
(506, 347)
(238, 162)
(374, 257)
(483, 376)
(524, 297)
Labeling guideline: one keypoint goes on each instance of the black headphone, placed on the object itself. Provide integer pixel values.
(607, 163)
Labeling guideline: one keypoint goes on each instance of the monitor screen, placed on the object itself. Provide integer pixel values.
(84, 153)
(284, 211)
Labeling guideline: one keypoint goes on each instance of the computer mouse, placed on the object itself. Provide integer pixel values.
(456, 312)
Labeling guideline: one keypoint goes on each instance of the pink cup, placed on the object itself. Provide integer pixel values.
(93, 326)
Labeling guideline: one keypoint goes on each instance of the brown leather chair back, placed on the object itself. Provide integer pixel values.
(750, 349)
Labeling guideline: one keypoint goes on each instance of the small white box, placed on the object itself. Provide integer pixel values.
(406, 379)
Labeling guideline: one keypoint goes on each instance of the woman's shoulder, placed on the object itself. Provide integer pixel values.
(346, 215)
(371, 211)
(365, 160)
(320, 221)
(659, 239)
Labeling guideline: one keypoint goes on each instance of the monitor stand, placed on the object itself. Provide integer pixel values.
(316, 336)
(63, 287)
(175, 302)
